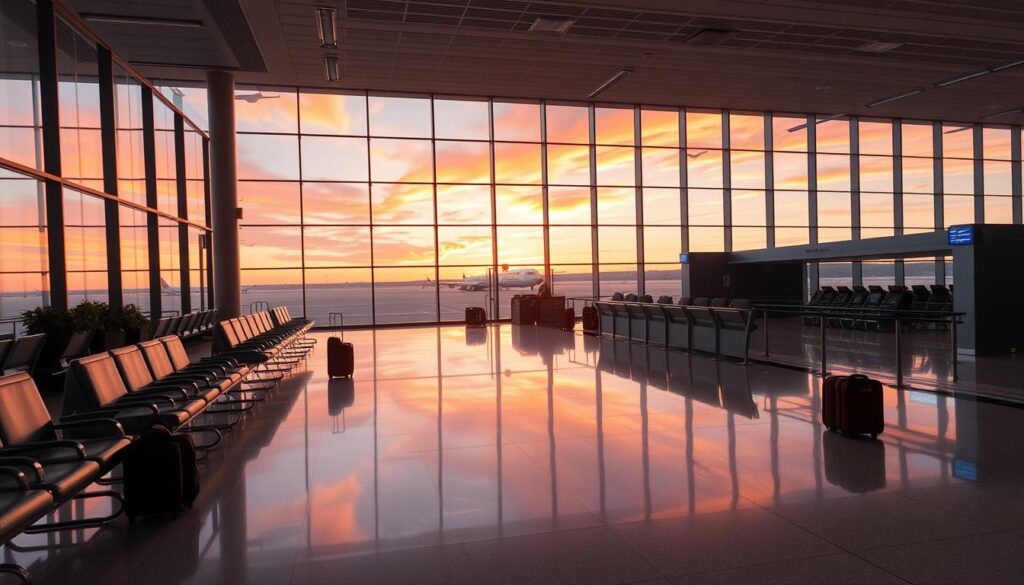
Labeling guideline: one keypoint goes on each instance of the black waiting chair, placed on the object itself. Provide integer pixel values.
(5, 348)
(664, 300)
(645, 299)
(24, 354)
(618, 296)
(685, 301)
(21, 506)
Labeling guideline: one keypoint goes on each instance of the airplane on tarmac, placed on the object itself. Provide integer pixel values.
(515, 279)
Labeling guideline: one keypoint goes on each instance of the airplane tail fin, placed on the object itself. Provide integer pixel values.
(163, 284)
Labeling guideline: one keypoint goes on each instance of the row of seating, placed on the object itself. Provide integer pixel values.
(918, 298)
(269, 341)
(186, 326)
(109, 399)
(21, 354)
(683, 301)
(722, 329)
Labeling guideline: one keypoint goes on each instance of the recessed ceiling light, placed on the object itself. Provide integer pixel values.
(894, 98)
(878, 47)
(142, 21)
(326, 28)
(551, 25)
(1019, 110)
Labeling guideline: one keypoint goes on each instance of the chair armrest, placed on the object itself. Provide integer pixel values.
(143, 397)
(111, 410)
(19, 478)
(21, 448)
(115, 427)
(21, 463)
(162, 388)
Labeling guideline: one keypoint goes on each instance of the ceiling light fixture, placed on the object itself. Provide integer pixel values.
(551, 25)
(143, 21)
(894, 98)
(610, 81)
(958, 129)
(1006, 66)
(326, 27)
(960, 78)
(332, 68)
(709, 36)
(816, 122)
(878, 47)
(1018, 110)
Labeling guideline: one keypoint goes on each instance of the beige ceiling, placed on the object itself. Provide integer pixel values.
(782, 55)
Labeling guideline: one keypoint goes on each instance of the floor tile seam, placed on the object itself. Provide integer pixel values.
(1009, 532)
(955, 511)
(837, 545)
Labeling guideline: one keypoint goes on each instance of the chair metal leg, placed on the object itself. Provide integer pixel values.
(82, 522)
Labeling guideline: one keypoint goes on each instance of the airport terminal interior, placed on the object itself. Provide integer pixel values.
(511, 291)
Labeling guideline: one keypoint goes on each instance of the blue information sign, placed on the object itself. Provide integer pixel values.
(961, 235)
(684, 258)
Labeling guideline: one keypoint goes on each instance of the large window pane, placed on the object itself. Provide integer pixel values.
(570, 245)
(334, 159)
(659, 127)
(569, 124)
(266, 110)
(614, 126)
(347, 291)
(522, 205)
(405, 161)
(569, 205)
(521, 247)
(332, 113)
(517, 163)
(616, 205)
(405, 295)
(616, 244)
(335, 203)
(463, 162)
(463, 204)
(568, 165)
(265, 157)
(400, 117)
(403, 246)
(336, 247)
(461, 119)
(464, 246)
(703, 129)
(269, 202)
(397, 203)
(517, 121)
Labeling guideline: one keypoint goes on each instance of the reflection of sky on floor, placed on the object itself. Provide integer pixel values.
(454, 436)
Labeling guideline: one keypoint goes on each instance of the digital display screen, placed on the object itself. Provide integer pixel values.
(961, 235)
(964, 469)
(684, 258)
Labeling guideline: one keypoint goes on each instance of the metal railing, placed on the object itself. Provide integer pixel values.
(897, 317)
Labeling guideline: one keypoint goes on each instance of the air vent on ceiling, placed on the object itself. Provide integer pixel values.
(551, 25)
(878, 47)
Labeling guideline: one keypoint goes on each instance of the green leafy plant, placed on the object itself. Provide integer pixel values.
(90, 316)
(128, 318)
(53, 321)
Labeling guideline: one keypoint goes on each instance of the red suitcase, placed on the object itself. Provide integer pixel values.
(852, 405)
(568, 319)
(590, 323)
(340, 358)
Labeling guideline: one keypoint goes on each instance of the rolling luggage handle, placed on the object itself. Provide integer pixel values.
(336, 319)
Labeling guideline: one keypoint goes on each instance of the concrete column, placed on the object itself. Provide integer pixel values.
(226, 269)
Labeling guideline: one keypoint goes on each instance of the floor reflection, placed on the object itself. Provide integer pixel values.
(456, 435)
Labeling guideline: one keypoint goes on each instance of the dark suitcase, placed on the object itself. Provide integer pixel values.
(524, 310)
(568, 319)
(161, 475)
(476, 317)
(856, 464)
(590, 320)
(340, 358)
(852, 405)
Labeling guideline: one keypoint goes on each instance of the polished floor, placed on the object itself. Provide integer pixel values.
(529, 455)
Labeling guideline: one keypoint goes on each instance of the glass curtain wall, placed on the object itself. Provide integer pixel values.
(408, 208)
(106, 227)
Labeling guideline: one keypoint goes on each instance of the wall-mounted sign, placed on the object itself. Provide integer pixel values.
(684, 258)
(961, 235)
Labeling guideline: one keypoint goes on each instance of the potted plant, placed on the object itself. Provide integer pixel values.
(130, 320)
(57, 324)
(93, 316)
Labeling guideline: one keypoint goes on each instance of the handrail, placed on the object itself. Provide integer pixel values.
(38, 175)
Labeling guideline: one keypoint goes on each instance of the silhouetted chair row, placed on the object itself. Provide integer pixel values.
(186, 326)
(44, 465)
(720, 326)
(21, 354)
(936, 298)
(270, 342)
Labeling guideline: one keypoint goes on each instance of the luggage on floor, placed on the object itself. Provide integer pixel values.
(590, 320)
(856, 464)
(161, 475)
(524, 310)
(476, 317)
(852, 405)
(340, 358)
(568, 319)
